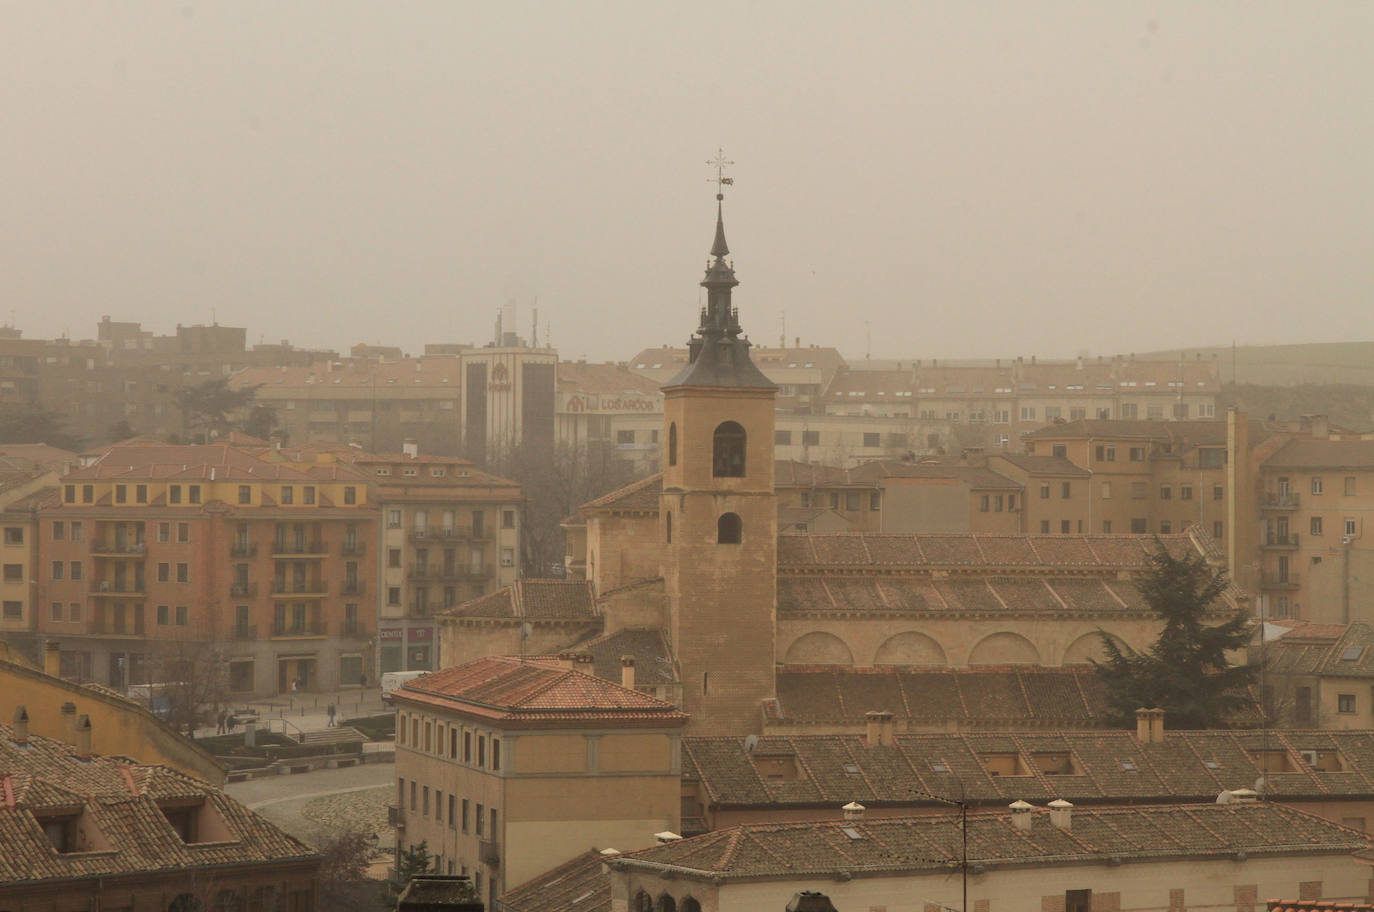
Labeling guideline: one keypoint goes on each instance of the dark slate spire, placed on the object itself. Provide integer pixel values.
(718, 355)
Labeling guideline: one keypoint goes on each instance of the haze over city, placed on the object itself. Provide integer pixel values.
(973, 180)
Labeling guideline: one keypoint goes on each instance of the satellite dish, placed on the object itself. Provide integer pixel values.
(751, 742)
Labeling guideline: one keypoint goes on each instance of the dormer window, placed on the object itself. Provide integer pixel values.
(1004, 764)
(780, 766)
(195, 821)
(71, 830)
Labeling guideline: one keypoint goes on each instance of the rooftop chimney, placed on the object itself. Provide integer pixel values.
(853, 811)
(565, 661)
(1061, 814)
(627, 672)
(584, 662)
(411, 447)
(1021, 815)
(1149, 726)
(83, 737)
(666, 837)
(880, 728)
(52, 658)
(1238, 796)
(810, 901)
(69, 722)
(21, 725)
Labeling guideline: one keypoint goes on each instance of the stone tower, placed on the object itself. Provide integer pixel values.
(719, 518)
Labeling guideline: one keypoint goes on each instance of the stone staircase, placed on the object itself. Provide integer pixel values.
(340, 735)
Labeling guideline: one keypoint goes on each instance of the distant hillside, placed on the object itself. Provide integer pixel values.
(1287, 365)
(1348, 404)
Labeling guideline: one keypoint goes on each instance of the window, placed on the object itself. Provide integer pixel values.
(729, 529)
(984, 503)
(465, 815)
(1044, 527)
(1130, 410)
(1060, 449)
(183, 533)
(308, 494)
(164, 532)
(1345, 703)
(997, 503)
(625, 437)
(14, 535)
(1218, 492)
(811, 438)
(1028, 412)
(672, 461)
(782, 438)
(14, 611)
(350, 495)
(393, 595)
(88, 493)
(507, 519)
(1106, 527)
(58, 530)
(174, 494)
(1137, 454)
(495, 765)
(1165, 527)
(1350, 527)
(121, 494)
(58, 570)
(164, 615)
(467, 747)
(479, 819)
(1138, 527)
(69, 494)
(182, 615)
(393, 557)
(1106, 453)
(1316, 484)
(668, 527)
(1185, 492)
(871, 439)
(140, 493)
(1045, 491)
(74, 611)
(75, 569)
(1066, 489)
(1165, 492)
(183, 573)
(194, 494)
(728, 451)
(288, 495)
(1106, 490)
(875, 501)
(164, 572)
(1350, 486)
(1217, 528)
(424, 801)
(245, 494)
(851, 500)
(1315, 526)
(55, 611)
(1138, 490)
(834, 501)
(1065, 527)
(452, 806)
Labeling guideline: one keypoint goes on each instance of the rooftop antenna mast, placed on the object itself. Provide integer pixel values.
(782, 338)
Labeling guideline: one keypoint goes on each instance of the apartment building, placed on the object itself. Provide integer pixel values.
(450, 532)
(607, 409)
(502, 763)
(151, 546)
(28, 478)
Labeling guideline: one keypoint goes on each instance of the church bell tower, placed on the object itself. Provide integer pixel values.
(718, 516)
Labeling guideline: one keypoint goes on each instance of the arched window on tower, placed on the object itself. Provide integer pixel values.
(690, 905)
(666, 904)
(729, 529)
(727, 451)
(672, 444)
(643, 902)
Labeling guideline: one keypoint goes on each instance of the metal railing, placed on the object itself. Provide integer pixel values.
(243, 549)
(306, 549)
(1278, 540)
(1279, 500)
(314, 627)
(243, 590)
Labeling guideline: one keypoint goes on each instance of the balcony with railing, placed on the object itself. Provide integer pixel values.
(353, 548)
(244, 632)
(243, 549)
(243, 590)
(352, 587)
(422, 571)
(449, 533)
(119, 588)
(116, 626)
(1279, 500)
(311, 627)
(300, 589)
(108, 548)
(1274, 579)
(489, 852)
(304, 549)
(1280, 540)
(351, 628)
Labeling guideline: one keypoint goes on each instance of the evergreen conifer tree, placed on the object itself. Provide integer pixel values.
(1186, 672)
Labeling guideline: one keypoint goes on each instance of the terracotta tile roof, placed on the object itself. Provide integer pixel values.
(1190, 433)
(1105, 766)
(974, 476)
(894, 845)
(510, 690)
(1030, 696)
(1056, 466)
(921, 551)
(636, 497)
(40, 455)
(577, 885)
(1318, 905)
(1307, 453)
(653, 659)
(120, 801)
(425, 372)
(534, 600)
(789, 473)
(603, 379)
(1324, 649)
(169, 461)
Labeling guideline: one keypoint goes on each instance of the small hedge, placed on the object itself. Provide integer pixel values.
(377, 728)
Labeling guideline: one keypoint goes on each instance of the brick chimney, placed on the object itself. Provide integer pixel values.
(853, 811)
(1021, 814)
(627, 672)
(52, 658)
(565, 661)
(1061, 814)
(1149, 726)
(880, 728)
(21, 725)
(584, 663)
(83, 737)
(69, 722)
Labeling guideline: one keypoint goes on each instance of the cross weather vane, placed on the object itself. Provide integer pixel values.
(721, 181)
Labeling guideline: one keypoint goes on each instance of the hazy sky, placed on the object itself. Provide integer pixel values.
(975, 179)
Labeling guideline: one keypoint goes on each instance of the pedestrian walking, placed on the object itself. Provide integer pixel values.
(362, 679)
(223, 724)
(332, 723)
